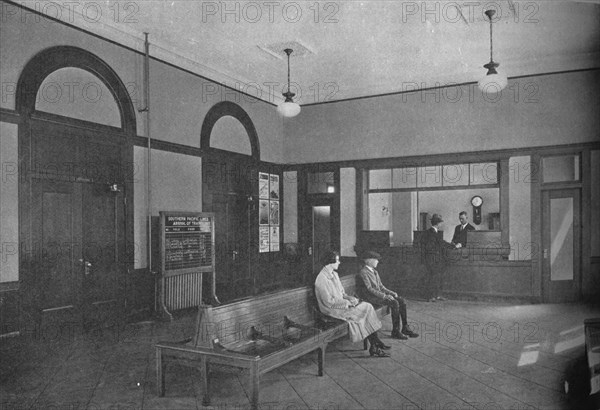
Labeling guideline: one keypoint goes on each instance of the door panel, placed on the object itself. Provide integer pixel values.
(54, 154)
(101, 162)
(561, 245)
(78, 230)
(102, 217)
(561, 239)
(55, 222)
(232, 251)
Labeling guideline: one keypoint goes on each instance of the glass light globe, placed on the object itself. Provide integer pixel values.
(493, 83)
(288, 109)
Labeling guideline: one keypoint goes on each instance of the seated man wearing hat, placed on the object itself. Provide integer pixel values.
(370, 288)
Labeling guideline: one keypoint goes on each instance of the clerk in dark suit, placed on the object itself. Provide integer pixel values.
(460, 232)
(433, 254)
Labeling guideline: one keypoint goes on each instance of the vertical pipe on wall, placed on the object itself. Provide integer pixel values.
(149, 176)
(146, 109)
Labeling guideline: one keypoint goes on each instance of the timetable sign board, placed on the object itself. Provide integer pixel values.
(187, 223)
(187, 241)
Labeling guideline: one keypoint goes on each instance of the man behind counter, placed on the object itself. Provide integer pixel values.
(460, 232)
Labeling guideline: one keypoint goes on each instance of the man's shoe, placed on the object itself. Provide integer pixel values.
(410, 333)
(399, 336)
(432, 300)
(441, 298)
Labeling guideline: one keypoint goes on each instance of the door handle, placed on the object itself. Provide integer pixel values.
(234, 254)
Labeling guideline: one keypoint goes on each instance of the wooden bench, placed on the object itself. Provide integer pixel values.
(257, 334)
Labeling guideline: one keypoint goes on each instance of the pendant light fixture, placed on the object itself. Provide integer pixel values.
(493, 81)
(288, 108)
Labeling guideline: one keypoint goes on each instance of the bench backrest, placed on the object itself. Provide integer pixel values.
(349, 284)
(232, 322)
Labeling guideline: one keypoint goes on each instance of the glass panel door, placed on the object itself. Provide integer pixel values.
(561, 239)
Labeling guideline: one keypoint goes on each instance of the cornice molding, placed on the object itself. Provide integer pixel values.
(130, 38)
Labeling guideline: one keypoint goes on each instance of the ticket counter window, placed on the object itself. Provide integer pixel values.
(400, 199)
(402, 213)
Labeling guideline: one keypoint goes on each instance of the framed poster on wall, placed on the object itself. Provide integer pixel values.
(274, 213)
(274, 187)
(263, 239)
(263, 185)
(269, 213)
(274, 238)
(263, 212)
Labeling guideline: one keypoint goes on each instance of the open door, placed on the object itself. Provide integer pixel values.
(322, 220)
(321, 235)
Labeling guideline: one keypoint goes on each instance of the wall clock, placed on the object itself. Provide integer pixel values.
(477, 201)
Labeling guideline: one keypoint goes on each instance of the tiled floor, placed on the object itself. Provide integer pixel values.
(469, 355)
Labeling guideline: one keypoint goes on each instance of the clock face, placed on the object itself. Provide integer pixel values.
(476, 200)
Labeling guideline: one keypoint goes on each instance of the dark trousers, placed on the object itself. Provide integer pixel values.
(398, 308)
(373, 340)
(433, 279)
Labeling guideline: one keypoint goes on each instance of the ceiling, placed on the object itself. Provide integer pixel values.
(349, 49)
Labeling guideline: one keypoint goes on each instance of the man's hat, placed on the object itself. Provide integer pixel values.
(371, 255)
(436, 219)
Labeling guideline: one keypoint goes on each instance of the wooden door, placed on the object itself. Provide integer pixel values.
(561, 250)
(79, 237)
(227, 192)
(103, 256)
(232, 267)
(56, 266)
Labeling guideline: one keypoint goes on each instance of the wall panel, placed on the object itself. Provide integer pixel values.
(9, 206)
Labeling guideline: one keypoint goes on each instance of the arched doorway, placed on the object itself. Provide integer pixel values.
(76, 159)
(229, 190)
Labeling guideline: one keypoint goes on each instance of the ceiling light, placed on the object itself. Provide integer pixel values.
(288, 108)
(493, 81)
